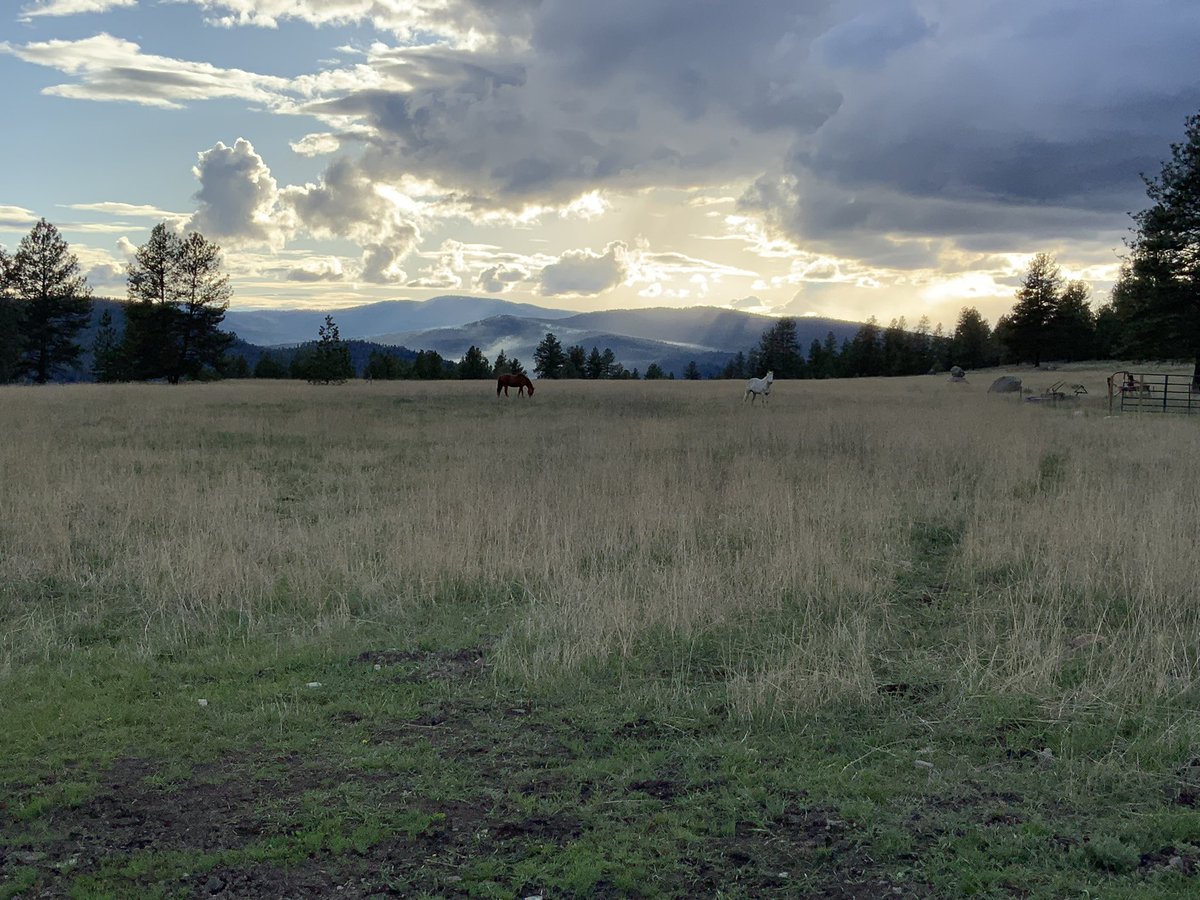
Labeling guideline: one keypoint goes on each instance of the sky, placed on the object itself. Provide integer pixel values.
(839, 158)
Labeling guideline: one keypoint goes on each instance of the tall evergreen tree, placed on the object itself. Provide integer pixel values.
(609, 367)
(654, 372)
(1157, 296)
(576, 364)
(203, 292)
(818, 366)
(502, 365)
(474, 365)
(779, 351)
(1029, 331)
(971, 339)
(10, 322)
(54, 302)
(692, 372)
(896, 348)
(1073, 324)
(595, 364)
(549, 358)
(832, 355)
(151, 287)
(863, 355)
(329, 362)
(107, 360)
(923, 352)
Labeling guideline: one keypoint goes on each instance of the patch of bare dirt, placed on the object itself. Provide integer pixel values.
(803, 852)
(422, 665)
(216, 810)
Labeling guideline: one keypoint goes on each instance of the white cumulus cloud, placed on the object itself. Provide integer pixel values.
(586, 272)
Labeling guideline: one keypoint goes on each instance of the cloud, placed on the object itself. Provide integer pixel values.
(129, 210)
(381, 264)
(316, 144)
(1011, 129)
(113, 69)
(585, 272)
(469, 22)
(317, 269)
(347, 203)
(69, 7)
(869, 38)
(16, 217)
(499, 278)
(238, 197)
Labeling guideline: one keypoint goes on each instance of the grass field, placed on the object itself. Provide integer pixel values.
(877, 638)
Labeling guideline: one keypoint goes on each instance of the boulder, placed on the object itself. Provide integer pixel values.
(1005, 384)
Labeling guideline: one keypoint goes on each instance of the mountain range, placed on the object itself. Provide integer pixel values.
(451, 324)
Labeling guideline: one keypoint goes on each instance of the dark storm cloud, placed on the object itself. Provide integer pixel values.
(979, 119)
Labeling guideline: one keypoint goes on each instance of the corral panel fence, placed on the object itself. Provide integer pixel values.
(1152, 392)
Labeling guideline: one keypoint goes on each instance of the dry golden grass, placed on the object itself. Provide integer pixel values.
(790, 543)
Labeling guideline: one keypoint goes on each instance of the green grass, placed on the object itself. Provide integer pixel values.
(434, 776)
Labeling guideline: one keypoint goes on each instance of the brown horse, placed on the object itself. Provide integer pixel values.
(520, 382)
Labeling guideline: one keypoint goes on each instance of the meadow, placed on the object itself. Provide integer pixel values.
(874, 638)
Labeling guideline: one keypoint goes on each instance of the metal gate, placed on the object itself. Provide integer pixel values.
(1152, 392)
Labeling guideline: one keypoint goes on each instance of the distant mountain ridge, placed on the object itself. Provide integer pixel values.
(671, 337)
(272, 327)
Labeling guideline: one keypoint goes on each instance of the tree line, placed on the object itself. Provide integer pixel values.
(177, 298)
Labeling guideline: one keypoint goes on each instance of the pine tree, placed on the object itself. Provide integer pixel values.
(107, 361)
(1029, 325)
(474, 365)
(779, 351)
(576, 364)
(10, 322)
(971, 340)
(502, 366)
(594, 367)
(609, 367)
(204, 293)
(1157, 297)
(329, 362)
(863, 356)
(549, 359)
(1073, 324)
(54, 302)
(692, 371)
(654, 371)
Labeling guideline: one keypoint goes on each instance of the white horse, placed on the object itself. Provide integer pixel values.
(756, 386)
